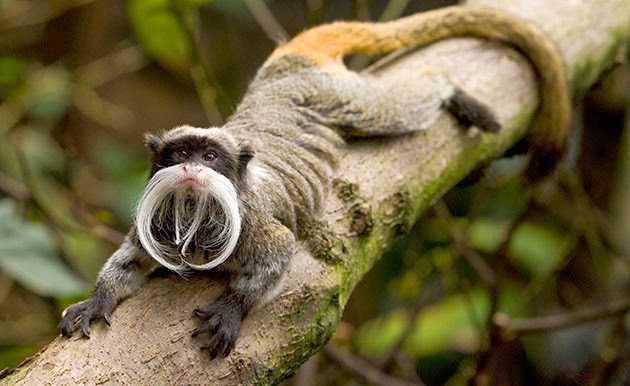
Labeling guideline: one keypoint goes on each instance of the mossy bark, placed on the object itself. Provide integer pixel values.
(382, 187)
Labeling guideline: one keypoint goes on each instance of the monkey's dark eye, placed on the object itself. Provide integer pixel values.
(182, 152)
(210, 156)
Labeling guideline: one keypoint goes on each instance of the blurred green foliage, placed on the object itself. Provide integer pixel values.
(27, 254)
(159, 32)
(77, 93)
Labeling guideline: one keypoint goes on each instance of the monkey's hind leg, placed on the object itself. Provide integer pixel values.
(368, 106)
(470, 112)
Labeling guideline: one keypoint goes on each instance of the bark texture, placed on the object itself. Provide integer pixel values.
(382, 187)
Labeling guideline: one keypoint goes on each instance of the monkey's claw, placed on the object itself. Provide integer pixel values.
(218, 331)
(81, 315)
(201, 314)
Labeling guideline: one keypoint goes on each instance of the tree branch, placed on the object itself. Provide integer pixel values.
(364, 369)
(392, 181)
(266, 20)
(510, 329)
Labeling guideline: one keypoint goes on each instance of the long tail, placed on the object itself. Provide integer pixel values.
(326, 45)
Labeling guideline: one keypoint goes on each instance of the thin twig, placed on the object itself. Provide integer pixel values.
(363, 368)
(6, 284)
(511, 329)
(105, 113)
(481, 267)
(396, 355)
(27, 192)
(188, 20)
(499, 256)
(360, 10)
(36, 12)
(14, 188)
(54, 224)
(393, 10)
(478, 263)
(126, 58)
(564, 208)
(317, 10)
(495, 337)
(99, 229)
(586, 214)
(267, 21)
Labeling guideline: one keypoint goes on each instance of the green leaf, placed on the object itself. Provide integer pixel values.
(27, 254)
(12, 74)
(11, 356)
(451, 324)
(536, 248)
(446, 325)
(126, 172)
(46, 163)
(48, 93)
(159, 33)
(377, 337)
(87, 252)
(44, 155)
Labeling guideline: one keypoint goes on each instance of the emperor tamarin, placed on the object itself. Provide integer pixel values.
(240, 196)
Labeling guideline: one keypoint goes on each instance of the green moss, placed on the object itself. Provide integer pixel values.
(320, 330)
(325, 244)
(12, 376)
(588, 70)
(584, 73)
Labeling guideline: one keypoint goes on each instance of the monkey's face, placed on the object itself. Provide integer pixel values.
(188, 216)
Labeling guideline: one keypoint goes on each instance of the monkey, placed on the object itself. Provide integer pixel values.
(239, 197)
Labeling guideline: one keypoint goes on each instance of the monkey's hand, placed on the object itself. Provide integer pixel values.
(220, 325)
(84, 313)
(263, 257)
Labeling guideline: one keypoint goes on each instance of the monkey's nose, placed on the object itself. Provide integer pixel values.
(196, 169)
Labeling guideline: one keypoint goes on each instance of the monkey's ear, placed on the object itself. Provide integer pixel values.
(152, 142)
(245, 154)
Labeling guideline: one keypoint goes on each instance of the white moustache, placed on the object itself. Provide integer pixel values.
(194, 200)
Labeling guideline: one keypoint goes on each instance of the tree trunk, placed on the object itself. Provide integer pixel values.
(382, 186)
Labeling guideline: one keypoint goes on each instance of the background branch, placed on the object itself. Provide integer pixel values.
(267, 21)
(509, 329)
(364, 369)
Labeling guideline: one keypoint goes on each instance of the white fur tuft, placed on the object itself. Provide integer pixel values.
(212, 208)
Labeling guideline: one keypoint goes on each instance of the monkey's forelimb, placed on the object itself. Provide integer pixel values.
(257, 266)
(121, 276)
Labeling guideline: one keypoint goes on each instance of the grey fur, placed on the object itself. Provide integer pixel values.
(296, 117)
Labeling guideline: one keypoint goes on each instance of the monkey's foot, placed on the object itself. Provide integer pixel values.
(82, 314)
(219, 329)
(468, 111)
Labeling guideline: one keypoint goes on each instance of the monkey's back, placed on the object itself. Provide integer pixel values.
(295, 147)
